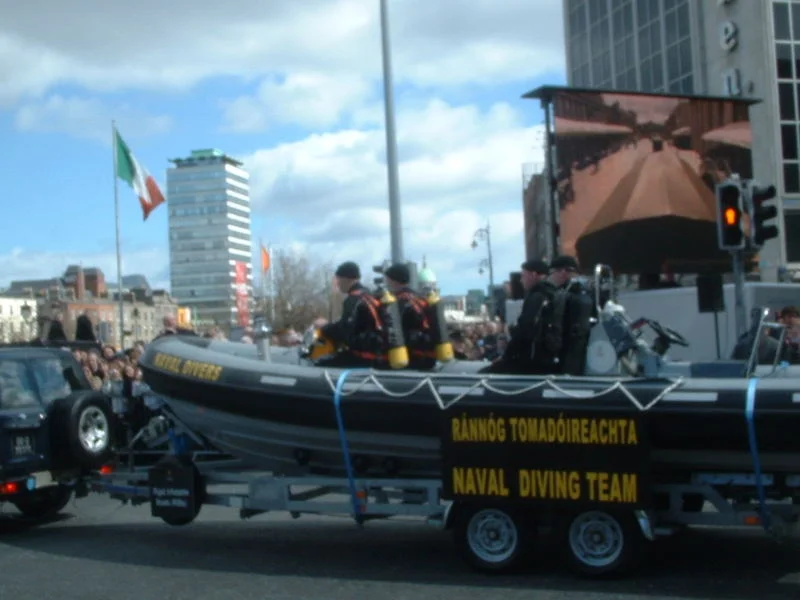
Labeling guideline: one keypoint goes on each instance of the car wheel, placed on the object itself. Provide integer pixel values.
(44, 503)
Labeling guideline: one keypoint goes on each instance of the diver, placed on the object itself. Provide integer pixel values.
(356, 333)
(414, 318)
(573, 311)
(562, 270)
(525, 352)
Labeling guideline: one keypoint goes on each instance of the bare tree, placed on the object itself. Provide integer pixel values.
(302, 288)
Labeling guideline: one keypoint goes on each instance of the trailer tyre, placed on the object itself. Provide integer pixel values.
(492, 539)
(599, 543)
(183, 472)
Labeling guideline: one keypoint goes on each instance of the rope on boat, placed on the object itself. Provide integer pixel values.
(483, 383)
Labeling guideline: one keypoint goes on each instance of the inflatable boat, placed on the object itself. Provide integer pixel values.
(277, 411)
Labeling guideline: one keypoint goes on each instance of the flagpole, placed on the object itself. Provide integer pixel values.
(271, 286)
(263, 281)
(119, 254)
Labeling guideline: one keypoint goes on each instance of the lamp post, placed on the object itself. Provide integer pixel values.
(484, 234)
(395, 217)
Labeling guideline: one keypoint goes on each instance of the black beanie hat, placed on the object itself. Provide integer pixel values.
(536, 266)
(398, 272)
(564, 262)
(348, 270)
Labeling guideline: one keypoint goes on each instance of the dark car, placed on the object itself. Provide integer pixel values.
(54, 428)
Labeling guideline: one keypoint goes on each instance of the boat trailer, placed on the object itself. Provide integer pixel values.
(491, 536)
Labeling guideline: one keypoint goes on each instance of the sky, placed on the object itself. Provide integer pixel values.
(292, 89)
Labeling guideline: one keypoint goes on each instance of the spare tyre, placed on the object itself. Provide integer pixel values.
(89, 423)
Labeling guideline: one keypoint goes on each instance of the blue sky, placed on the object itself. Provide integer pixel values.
(308, 124)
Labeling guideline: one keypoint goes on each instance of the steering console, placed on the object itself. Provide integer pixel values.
(665, 337)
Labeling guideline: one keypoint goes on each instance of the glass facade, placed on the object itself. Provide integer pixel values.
(209, 231)
(642, 45)
(786, 27)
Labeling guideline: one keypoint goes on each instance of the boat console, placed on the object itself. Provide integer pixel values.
(617, 346)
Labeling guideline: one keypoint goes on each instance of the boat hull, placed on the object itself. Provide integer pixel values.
(281, 416)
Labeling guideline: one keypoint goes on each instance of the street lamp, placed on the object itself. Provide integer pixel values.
(395, 216)
(484, 234)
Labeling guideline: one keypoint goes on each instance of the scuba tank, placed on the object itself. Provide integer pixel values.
(439, 335)
(396, 350)
(579, 310)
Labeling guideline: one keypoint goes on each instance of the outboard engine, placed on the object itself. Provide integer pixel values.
(262, 336)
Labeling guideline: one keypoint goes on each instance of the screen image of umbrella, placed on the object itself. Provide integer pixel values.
(660, 212)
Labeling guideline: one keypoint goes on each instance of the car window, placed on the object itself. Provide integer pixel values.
(16, 387)
(49, 375)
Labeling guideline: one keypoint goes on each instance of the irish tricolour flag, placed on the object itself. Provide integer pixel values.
(130, 171)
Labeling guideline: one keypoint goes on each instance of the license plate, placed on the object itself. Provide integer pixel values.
(22, 445)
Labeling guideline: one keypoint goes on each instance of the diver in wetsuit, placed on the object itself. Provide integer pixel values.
(538, 340)
(415, 322)
(357, 329)
(522, 353)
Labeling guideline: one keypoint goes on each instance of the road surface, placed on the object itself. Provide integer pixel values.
(103, 550)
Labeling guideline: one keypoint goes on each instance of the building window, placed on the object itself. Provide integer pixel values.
(651, 45)
(791, 228)
(786, 23)
(678, 47)
(622, 34)
(780, 20)
(579, 43)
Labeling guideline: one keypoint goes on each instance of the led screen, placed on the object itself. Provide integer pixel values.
(635, 176)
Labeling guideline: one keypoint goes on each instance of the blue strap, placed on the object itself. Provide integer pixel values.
(751, 434)
(348, 465)
(178, 442)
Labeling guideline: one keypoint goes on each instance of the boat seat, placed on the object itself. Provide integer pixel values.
(719, 368)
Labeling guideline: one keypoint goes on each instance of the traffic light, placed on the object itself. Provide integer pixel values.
(760, 231)
(730, 202)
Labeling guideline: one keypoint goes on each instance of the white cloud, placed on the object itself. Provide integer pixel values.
(316, 64)
(458, 167)
(87, 118)
(311, 100)
(326, 194)
(437, 43)
(453, 155)
(28, 263)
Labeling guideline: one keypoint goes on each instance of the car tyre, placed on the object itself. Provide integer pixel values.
(90, 430)
(44, 503)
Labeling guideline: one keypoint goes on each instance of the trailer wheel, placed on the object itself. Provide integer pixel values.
(597, 543)
(492, 539)
(182, 469)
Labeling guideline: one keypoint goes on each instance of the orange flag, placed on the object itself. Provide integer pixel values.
(264, 259)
